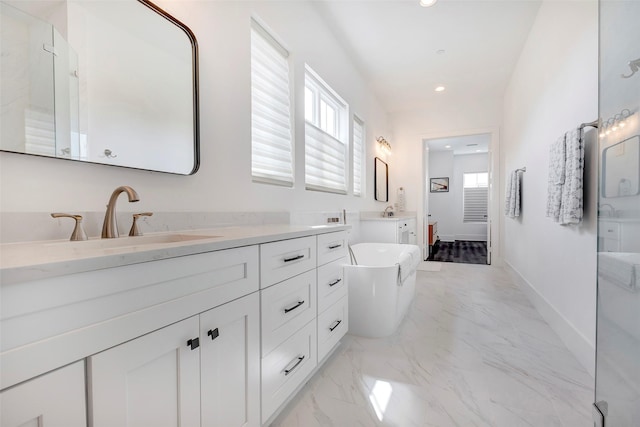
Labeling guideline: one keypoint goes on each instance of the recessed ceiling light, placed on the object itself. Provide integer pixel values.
(427, 3)
(439, 88)
(477, 151)
(447, 146)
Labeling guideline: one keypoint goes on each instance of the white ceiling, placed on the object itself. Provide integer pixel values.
(395, 44)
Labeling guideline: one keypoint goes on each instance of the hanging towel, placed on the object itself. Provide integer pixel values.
(572, 189)
(512, 199)
(557, 173)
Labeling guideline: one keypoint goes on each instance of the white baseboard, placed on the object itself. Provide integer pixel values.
(575, 341)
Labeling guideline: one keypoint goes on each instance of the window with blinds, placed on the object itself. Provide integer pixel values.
(271, 122)
(475, 193)
(326, 136)
(358, 155)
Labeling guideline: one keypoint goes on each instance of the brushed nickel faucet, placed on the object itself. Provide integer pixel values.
(78, 230)
(110, 226)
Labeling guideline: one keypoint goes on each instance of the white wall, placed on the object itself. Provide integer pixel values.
(553, 89)
(223, 183)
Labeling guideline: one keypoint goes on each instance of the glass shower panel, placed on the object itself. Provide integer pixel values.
(618, 321)
(27, 83)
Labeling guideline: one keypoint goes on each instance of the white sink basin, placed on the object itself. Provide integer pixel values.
(126, 242)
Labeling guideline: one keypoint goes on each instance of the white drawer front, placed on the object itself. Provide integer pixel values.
(285, 259)
(332, 246)
(287, 367)
(287, 307)
(332, 325)
(331, 284)
(609, 230)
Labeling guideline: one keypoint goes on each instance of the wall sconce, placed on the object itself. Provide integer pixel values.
(615, 123)
(384, 145)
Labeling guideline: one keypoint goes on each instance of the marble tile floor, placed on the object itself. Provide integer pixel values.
(472, 351)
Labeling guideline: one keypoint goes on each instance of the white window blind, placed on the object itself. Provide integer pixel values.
(475, 197)
(325, 161)
(358, 155)
(326, 137)
(271, 128)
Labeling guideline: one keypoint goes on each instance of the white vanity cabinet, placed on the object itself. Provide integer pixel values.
(333, 318)
(56, 399)
(288, 328)
(388, 230)
(304, 314)
(213, 338)
(152, 380)
(200, 371)
(230, 364)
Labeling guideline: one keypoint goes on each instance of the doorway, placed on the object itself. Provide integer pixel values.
(457, 194)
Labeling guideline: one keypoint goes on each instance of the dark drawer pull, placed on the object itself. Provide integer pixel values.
(194, 343)
(335, 246)
(286, 310)
(335, 282)
(288, 371)
(213, 333)
(335, 325)
(294, 258)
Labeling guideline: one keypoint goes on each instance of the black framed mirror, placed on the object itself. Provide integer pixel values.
(109, 82)
(381, 180)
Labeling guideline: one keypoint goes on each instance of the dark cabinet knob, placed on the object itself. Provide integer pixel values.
(213, 333)
(194, 343)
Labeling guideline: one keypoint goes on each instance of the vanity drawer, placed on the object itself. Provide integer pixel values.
(332, 325)
(285, 259)
(287, 307)
(331, 283)
(287, 367)
(609, 230)
(332, 246)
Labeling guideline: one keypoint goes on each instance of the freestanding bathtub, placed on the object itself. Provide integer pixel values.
(380, 294)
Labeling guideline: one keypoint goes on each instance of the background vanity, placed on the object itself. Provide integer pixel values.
(400, 228)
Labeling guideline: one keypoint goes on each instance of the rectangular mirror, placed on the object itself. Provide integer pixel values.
(381, 184)
(620, 166)
(110, 82)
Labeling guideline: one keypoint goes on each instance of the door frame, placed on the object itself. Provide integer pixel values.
(494, 220)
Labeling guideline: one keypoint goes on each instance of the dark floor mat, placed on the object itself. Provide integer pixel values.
(463, 251)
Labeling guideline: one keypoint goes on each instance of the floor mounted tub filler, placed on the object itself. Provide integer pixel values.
(381, 287)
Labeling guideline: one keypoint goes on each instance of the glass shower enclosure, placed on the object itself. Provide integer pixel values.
(617, 393)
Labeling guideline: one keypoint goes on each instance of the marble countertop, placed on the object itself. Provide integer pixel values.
(377, 216)
(21, 262)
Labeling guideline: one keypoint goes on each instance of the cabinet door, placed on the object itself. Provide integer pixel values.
(153, 380)
(56, 399)
(230, 364)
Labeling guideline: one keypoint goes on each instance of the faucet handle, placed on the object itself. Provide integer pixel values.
(78, 231)
(134, 226)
